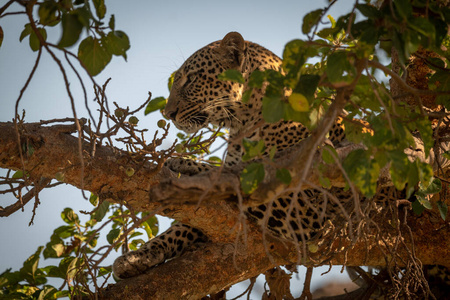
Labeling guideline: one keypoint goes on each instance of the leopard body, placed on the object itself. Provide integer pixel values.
(199, 98)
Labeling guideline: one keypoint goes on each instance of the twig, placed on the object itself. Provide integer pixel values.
(5, 212)
(402, 82)
(306, 294)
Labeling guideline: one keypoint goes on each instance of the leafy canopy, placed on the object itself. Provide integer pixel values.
(336, 53)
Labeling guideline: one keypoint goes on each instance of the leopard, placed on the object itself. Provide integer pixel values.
(199, 98)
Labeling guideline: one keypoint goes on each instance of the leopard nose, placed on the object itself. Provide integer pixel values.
(171, 114)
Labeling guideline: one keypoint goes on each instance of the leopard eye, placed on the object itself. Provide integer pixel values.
(190, 78)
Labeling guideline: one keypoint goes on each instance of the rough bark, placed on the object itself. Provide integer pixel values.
(237, 250)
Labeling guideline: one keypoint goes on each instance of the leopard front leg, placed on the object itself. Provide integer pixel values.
(187, 166)
(169, 244)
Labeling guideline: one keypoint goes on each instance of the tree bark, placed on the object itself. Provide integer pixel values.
(237, 249)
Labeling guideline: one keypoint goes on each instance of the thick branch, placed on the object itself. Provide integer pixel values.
(215, 266)
(56, 150)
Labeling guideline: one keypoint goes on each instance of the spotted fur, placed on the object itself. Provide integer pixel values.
(199, 98)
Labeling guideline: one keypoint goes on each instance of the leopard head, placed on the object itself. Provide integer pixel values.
(197, 97)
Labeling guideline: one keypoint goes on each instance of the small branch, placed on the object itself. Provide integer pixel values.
(5, 7)
(402, 82)
(306, 294)
(5, 212)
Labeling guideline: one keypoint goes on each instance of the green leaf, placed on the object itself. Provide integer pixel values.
(417, 207)
(59, 249)
(155, 104)
(363, 171)
(102, 271)
(136, 244)
(339, 68)
(273, 109)
(310, 20)
(431, 188)
(47, 292)
(307, 85)
(328, 154)
(403, 8)
(101, 211)
(366, 31)
(19, 174)
(64, 232)
(112, 23)
(295, 54)
(48, 13)
(296, 116)
(423, 201)
(69, 216)
(71, 30)
(440, 28)
(252, 148)
(54, 271)
(25, 32)
(257, 79)
(93, 199)
(435, 63)
(69, 267)
(112, 235)
(100, 8)
(35, 44)
(272, 152)
(425, 173)
(84, 15)
(422, 26)
(369, 11)
(30, 266)
(325, 182)
(151, 226)
(232, 75)
(246, 96)
(117, 43)
(251, 176)
(400, 169)
(284, 176)
(170, 80)
(93, 55)
(443, 209)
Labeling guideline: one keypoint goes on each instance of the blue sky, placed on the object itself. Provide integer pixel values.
(162, 35)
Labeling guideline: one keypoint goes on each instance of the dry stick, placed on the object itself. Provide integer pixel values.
(306, 294)
(324, 12)
(82, 86)
(248, 289)
(96, 85)
(16, 108)
(29, 10)
(5, 212)
(318, 135)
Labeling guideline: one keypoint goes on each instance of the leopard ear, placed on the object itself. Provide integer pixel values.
(232, 50)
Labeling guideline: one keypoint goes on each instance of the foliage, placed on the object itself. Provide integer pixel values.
(349, 52)
(94, 51)
(78, 255)
(338, 54)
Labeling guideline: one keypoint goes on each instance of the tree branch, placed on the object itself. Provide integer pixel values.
(228, 253)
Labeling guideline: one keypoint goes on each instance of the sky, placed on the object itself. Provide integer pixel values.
(162, 35)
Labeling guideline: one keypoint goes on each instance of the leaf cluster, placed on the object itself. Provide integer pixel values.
(332, 57)
(74, 246)
(73, 18)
